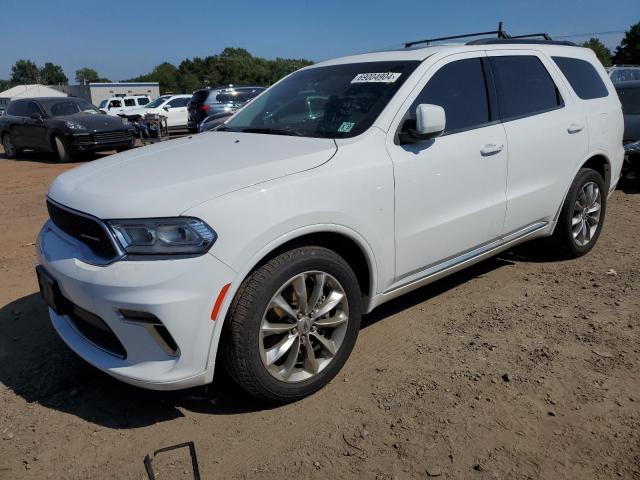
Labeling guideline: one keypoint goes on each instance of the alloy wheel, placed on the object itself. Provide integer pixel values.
(303, 326)
(586, 213)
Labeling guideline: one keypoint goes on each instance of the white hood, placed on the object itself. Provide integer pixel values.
(166, 179)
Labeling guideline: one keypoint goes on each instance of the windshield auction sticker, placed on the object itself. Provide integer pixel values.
(379, 77)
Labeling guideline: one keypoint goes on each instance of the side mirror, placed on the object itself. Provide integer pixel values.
(430, 123)
(166, 108)
(36, 116)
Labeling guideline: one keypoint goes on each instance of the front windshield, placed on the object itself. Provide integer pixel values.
(157, 102)
(71, 107)
(337, 101)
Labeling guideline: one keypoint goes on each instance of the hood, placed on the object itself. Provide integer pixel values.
(170, 177)
(93, 122)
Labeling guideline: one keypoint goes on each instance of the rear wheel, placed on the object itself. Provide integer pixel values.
(10, 149)
(62, 149)
(293, 324)
(582, 216)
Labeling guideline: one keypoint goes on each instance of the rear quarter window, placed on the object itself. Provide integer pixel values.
(143, 101)
(583, 77)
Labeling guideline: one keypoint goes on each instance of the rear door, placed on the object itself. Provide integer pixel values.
(546, 133)
(450, 191)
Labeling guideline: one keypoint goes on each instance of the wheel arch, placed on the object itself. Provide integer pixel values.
(597, 161)
(344, 241)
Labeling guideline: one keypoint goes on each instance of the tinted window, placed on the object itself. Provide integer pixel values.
(584, 79)
(460, 88)
(115, 104)
(200, 96)
(17, 109)
(129, 102)
(23, 109)
(178, 102)
(524, 86)
(143, 101)
(630, 99)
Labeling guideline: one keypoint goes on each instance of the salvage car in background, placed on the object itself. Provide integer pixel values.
(65, 126)
(629, 93)
(118, 105)
(174, 107)
(624, 73)
(218, 100)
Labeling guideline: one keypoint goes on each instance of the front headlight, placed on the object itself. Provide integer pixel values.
(164, 236)
(75, 126)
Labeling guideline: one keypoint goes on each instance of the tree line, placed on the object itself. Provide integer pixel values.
(238, 66)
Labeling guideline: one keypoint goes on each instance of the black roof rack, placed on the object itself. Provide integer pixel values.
(501, 36)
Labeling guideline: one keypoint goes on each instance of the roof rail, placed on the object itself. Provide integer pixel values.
(501, 37)
(500, 34)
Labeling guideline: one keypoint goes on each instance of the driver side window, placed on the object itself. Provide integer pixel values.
(461, 89)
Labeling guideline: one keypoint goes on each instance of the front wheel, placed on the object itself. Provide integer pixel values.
(582, 215)
(61, 149)
(292, 324)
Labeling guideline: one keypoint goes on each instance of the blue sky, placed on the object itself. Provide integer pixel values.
(125, 38)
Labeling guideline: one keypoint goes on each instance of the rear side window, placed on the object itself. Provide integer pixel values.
(584, 79)
(625, 74)
(17, 109)
(143, 101)
(200, 96)
(460, 88)
(129, 102)
(524, 86)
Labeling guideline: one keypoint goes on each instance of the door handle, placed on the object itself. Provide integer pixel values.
(491, 149)
(575, 128)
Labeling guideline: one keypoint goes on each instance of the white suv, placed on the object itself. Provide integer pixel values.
(174, 107)
(116, 106)
(344, 185)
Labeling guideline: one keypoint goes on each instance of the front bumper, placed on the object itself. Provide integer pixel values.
(102, 141)
(180, 293)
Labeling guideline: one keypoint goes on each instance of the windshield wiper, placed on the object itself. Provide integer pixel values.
(273, 131)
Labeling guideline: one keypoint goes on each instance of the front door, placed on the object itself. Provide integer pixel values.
(449, 191)
(177, 112)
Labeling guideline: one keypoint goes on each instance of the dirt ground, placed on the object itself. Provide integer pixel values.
(522, 367)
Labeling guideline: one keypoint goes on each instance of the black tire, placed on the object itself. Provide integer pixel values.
(61, 149)
(563, 241)
(240, 343)
(9, 147)
(123, 149)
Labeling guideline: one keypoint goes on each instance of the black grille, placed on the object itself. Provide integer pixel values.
(94, 329)
(85, 229)
(105, 137)
(120, 136)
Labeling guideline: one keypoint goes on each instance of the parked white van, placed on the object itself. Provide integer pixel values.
(116, 106)
(344, 185)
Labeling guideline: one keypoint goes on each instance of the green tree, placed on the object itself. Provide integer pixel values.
(629, 49)
(601, 51)
(231, 66)
(52, 74)
(88, 75)
(5, 85)
(24, 72)
(166, 74)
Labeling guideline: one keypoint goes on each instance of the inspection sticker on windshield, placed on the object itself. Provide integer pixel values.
(346, 127)
(379, 77)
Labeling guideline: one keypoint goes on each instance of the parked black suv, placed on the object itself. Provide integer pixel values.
(629, 93)
(218, 100)
(65, 126)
